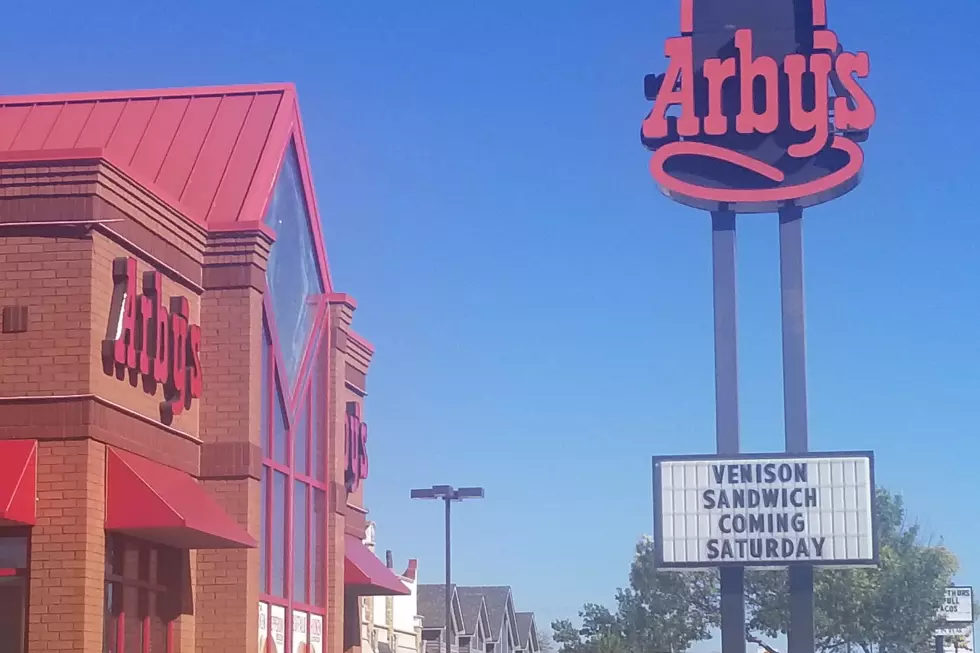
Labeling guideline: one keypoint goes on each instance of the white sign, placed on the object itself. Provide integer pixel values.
(957, 606)
(316, 633)
(278, 629)
(957, 640)
(300, 620)
(263, 627)
(764, 511)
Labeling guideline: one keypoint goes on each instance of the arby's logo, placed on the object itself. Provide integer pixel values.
(760, 105)
(355, 448)
(152, 343)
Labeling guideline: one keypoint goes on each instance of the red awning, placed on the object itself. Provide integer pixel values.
(164, 505)
(18, 482)
(365, 575)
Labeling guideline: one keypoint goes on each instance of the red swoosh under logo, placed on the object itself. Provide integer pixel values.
(779, 194)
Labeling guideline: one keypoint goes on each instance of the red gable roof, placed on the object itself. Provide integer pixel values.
(213, 153)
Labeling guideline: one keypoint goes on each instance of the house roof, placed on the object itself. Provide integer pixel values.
(525, 625)
(432, 605)
(496, 599)
(472, 606)
(212, 153)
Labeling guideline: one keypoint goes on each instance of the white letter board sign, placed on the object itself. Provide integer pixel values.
(764, 510)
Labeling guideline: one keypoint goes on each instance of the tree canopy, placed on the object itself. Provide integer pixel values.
(890, 609)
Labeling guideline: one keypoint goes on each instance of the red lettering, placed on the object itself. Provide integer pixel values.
(147, 339)
(677, 88)
(766, 69)
(363, 451)
(145, 330)
(859, 112)
(716, 71)
(177, 381)
(759, 92)
(815, 120)
(355, 448)
(194, 352)
(159, 320)
(124, 276)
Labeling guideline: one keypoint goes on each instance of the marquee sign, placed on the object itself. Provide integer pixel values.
(152, 342)
(957, 607)
(355, 447)
(764, 511)
(760, 105)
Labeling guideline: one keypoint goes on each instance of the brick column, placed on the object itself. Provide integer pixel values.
(67, 567)
(227, 582)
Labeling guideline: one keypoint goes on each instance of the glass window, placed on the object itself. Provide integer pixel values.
(301, 518)
(301, 440)
(264, 531)
(279, 434)
(141, 593)
(279, 534)
(266, 378)
(13, 553)
(318, 547)
(293, 274)
(318, 402)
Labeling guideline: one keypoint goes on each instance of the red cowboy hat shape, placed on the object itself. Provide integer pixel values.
(760, 106)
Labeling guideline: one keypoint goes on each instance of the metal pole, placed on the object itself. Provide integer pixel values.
(726, 407)
(939, 644)
(449, 589)
(800, 637)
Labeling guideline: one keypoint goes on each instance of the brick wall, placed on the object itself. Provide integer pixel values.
(67, 572)
(49, 275)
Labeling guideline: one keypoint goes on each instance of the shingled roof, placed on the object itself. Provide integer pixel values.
(497, 599)
(526, 630)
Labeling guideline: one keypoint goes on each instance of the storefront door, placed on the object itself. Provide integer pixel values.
(13, 592)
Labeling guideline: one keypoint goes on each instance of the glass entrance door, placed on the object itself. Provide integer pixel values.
(13, 592)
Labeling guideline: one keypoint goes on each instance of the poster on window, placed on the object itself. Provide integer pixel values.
(300, 638)
(263, 627)
(316, 633)
(278, 629)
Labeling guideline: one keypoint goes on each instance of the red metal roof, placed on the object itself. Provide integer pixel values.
(213, 153)
(18, 482)
(165, 505)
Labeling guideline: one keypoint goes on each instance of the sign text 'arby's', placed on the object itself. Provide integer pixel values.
(152, 343)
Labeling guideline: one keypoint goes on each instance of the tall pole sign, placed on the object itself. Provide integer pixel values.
(761, 110)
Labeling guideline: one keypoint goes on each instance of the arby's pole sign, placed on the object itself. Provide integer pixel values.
(149, 341)
(760, 106)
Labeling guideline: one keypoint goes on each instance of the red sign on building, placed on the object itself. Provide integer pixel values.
(152, 343)
(355, 447)
(760, 105)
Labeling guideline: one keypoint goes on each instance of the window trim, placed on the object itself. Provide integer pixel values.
(301, 399)
(124, 580)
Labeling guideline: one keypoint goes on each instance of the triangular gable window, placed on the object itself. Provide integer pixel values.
(293, 276)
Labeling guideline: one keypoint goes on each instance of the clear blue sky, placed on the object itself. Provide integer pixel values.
(542, 315)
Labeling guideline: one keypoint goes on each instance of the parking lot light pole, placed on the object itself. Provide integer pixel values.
(448, 494)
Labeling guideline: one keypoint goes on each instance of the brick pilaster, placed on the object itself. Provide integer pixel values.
(67, 571)
(227, 582)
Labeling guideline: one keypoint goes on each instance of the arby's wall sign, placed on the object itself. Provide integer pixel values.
(150, 341)
(760, 105)
(355, 448)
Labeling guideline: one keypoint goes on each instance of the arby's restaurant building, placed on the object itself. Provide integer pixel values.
(183, 438)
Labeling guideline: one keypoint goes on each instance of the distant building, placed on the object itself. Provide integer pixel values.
(483, 621)
(391, 624)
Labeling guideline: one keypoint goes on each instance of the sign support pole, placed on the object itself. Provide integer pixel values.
(726, 406)
(801, 636)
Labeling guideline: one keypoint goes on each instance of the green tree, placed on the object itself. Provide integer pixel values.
(891, 609)
(657, 613)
